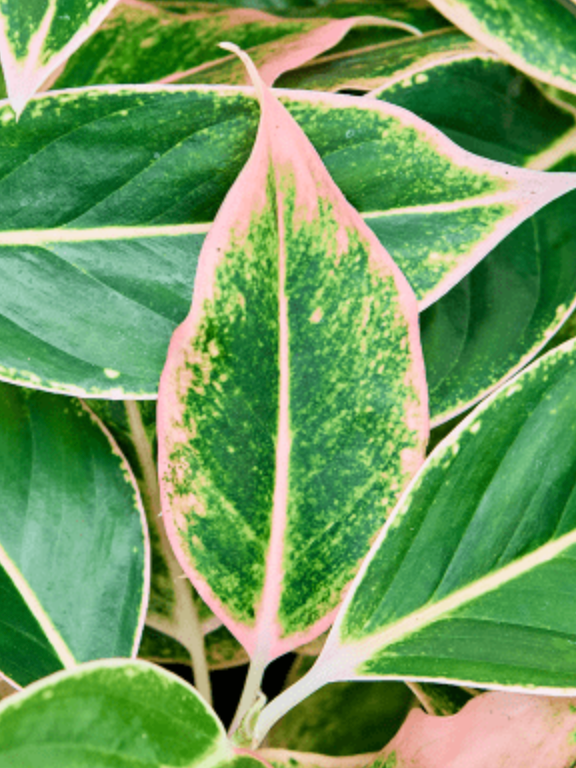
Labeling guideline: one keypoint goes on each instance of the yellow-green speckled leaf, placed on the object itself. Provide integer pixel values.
(473, 578)
(292, 407)
(536, 36)
(37, 36)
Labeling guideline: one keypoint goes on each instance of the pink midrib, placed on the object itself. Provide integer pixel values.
(266, 628)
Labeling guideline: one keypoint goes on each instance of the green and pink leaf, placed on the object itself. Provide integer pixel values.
(37, 37)
(272, 491)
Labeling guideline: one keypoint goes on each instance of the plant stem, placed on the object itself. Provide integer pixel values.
(250, 691)
(422, 697)
(286, 701)
(185, 621)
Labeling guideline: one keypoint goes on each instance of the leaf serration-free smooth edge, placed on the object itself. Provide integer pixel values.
(292, 407)
(471, 579)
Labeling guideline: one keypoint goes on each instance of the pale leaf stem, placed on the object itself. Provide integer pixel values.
(186, 620)
(250, 691)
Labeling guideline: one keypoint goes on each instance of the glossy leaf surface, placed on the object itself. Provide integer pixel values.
(471, 579)
(536, 36)
(140, 43)
(479, 101)
(37, 37)
(97, 267)
(501, 315)
(271, 489)
(73, 546)
(511, 730)
(375, 65)
(498, 317)
(111, 714)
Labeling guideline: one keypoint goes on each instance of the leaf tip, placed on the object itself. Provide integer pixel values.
(250, 67)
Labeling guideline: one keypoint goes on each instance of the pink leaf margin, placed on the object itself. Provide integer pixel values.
(280, 56)
(23, 80)
(281, 143)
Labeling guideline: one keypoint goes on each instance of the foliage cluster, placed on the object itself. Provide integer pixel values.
(366, 420)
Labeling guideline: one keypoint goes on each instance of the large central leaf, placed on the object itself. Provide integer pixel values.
(292, 408)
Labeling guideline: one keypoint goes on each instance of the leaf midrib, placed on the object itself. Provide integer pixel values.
(422, 618)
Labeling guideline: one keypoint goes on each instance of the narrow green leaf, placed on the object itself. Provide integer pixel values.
(536, 36)
(37, 37)
(111, 714)
(471, 579)
(271, 488)
(73, 541)
(97, 267)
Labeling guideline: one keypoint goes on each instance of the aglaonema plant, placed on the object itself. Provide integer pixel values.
(317, 283)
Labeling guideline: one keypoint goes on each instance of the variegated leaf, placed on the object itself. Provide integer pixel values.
(512, 730)
(98, 266)
(37, 37)
(500, 315)
(110, 714)
(290, 52)
(496, 320)
(271, 488)
(384, 64)
(494, 729)
(472, 578)
(536, 36)
(74, 554)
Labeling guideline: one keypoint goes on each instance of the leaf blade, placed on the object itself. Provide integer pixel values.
(470, 580)
(75, 591)
(35, 39)
(284, 218)
(506, 27)
(155, 195)
(79, 718)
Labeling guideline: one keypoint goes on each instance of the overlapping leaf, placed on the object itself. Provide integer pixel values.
(501, 314)
(107, 194)
(277, 57)
(140, 43)
(472, 578)
(494, 729)
(113, 713)
(480, 102)
(73, 546)
(512, 730)
(37, 37)
(292, 408)
(376, 65)
(536, 36)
